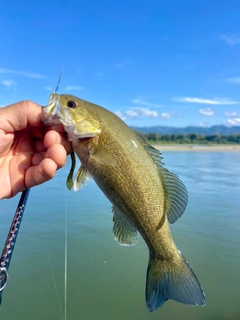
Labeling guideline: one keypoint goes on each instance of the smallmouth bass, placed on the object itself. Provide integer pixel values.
(144, 194)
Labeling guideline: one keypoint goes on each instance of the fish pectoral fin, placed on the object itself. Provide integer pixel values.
(69, 181)
(82, 178)
(175, 191)
(176, 195)
(101, 155)
(124, 232)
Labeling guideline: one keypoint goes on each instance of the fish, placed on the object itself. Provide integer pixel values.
(145, 196)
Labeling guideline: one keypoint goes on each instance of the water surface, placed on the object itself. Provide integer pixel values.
(107, 281)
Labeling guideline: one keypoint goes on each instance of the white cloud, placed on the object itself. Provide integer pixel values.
(216, 101)
(22, 73)
(232, 114)
(137, 113)
(206, 112)
(147, 113)
(120, 115)
(142, 113)
(146, 103)
(131, 114)
(234, 121)
(143, 109)
(203, 124)
(165, 115)
(231, 39)
(73, 88)
(234, 80)
(9, 83)
(48, 88)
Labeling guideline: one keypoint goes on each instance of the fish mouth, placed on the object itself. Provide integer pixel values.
(50, 116)
(72, 130)
(74, 134)
(54, 114)
(50, 112)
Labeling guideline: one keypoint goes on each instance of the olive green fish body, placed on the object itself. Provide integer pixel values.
(143, 193)
(132, 185)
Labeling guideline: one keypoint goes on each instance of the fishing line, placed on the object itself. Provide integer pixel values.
(55, 286)
(189, 238)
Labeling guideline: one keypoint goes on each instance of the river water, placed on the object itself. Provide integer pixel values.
(106, 281)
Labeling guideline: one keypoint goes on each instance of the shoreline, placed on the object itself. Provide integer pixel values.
(198, 147)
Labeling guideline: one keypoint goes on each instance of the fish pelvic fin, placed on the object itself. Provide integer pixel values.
(177, 282)
(82, 178)
(124, 232)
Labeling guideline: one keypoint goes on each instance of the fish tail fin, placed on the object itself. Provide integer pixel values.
(172, 281)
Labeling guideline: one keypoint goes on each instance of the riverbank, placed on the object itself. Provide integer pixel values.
(199, 147)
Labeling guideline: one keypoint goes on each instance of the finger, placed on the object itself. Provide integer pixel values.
(37, 158)
(17, 116)
(52, 137)
(41, 173)
(39, 146)
(58, 154)
(45, 165)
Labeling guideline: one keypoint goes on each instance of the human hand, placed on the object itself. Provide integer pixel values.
(28, 154)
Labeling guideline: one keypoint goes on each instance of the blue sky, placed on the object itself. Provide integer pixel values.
(171, 63)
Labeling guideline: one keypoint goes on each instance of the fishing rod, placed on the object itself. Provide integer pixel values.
(11, 241)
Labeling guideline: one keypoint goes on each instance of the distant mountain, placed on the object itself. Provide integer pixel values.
(219, 129)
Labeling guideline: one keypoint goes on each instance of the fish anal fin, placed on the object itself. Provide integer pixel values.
(176, 282)
(124, 232)
(82, 178)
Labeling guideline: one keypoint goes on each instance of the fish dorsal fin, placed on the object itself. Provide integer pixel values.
(176, 195)
(82, 178)
(153, 153)
(124, 232)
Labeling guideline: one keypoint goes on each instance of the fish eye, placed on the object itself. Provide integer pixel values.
(71, 104)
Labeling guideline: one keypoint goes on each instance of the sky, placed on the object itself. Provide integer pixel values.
(167, 63)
